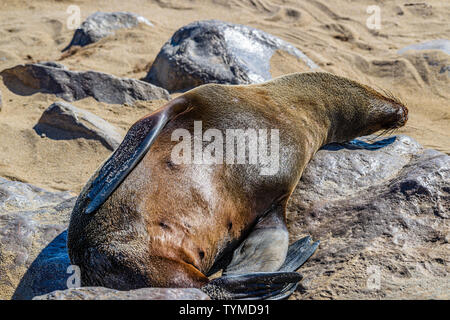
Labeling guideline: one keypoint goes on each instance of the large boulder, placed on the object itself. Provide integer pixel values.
(54, 78)
(217, 52)
(100, 293)
(33, 254)
(62, 120)
(381, 211)
(103, 24)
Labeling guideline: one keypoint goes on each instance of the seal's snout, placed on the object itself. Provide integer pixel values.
(386, 113)
(398, 116)
(402, 116)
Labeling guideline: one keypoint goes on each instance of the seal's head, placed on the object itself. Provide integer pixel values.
(385, 112)
(354, 109)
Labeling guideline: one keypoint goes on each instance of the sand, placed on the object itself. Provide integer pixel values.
(332, 33)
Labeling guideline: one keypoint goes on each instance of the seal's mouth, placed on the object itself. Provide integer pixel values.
(403, 117)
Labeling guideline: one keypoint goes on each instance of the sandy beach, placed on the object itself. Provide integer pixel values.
(333, 34)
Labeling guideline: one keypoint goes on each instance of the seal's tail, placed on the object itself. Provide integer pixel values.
(265, 285)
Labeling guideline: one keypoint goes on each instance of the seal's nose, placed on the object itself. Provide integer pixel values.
(403, 116)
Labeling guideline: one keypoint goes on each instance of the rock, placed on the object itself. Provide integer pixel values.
(33, 254)
(53, 64)
(100, 293)
(64, 121)
(102, 24)
(439, 44)
(54, 78)
(219, 52)
(1, 101)
(381, 212)
(436, 61)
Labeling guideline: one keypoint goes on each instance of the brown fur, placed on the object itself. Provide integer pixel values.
(166, 224)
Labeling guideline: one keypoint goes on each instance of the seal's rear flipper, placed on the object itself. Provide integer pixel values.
(298, 253)
(253, 286)
(130, 152)
(287, 291)
(263, 285)
(264, 249)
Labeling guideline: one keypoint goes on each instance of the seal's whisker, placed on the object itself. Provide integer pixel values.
(379, 135)
(392, 131)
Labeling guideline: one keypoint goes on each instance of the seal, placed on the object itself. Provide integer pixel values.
(145, 220)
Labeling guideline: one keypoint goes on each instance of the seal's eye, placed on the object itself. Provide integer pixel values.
(163, 225)
(170, 164)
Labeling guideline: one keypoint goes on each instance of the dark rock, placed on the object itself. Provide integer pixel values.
(381, 211)
(50, 77)
(102, 24)
(217, 52)
(100, 293)
(33, 254)
(64, 121)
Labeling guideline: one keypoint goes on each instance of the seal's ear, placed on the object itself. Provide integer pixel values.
(133, 148)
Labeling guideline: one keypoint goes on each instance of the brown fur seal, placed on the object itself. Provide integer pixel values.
(144, 221)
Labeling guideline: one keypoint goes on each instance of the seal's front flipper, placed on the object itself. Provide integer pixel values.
(130, 152)
(254, 286)
(298, 253)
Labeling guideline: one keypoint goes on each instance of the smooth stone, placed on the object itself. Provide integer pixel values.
(54, 78)
(213, 51)
(103, 24)
(62, 120)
